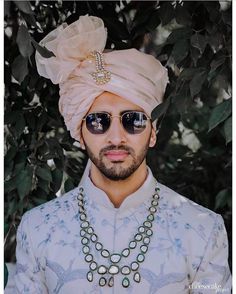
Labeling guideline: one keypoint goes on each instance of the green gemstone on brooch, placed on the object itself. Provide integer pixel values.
(88, 257)
(105, 253)
(125, 270)
(134, 266)
(86, 249)
(102, 282)
(93, 266)
(132, 244)
(90, 276)
(115, 257)
(137, 277)
(98, 246)
(143, 248)
(125, 252)
(138, 237)
(102, 270)
(140, 257)
(113, 269)
(125, 282)
(111, 282)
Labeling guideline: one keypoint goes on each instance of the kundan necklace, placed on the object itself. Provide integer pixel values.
(107, 272)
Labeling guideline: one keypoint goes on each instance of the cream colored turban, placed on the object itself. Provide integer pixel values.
(135, 76)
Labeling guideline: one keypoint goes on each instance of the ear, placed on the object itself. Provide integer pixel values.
(81, 141)
(153, 138)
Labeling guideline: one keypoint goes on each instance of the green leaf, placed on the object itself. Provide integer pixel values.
(180, 50)
(196, 83)
(199, 41)
(187, 74)
(44, 173)
(10, 185)
(220, 113)
(24, 6)
(222, 198)
(166, 12)
(5, 275)
(44, 185)
(57, 176)
(228, 130)
(20, 68)
(24, 182)
(11, 152)
(217, 62)
(182, 15)
(160, 109)
(153, 21)
(6, 228)
(68, 185)
(43, 51)
(24, 42)
(19, 126)
(179, 34)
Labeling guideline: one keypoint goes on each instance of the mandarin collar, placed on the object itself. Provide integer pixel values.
(134, 200)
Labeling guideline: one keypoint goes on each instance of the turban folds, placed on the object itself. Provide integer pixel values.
(135, 76)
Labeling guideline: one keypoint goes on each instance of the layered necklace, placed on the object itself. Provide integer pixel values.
(140, 239)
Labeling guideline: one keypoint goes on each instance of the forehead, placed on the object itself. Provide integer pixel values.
(112, 103)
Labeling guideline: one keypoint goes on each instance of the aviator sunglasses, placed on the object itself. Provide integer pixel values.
(134, 122)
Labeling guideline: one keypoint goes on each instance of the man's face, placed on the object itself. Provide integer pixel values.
(116, 153)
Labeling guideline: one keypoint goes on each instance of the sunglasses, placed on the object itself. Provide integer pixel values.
(134, 122)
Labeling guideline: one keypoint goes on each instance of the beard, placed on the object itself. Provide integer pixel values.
(115, 170)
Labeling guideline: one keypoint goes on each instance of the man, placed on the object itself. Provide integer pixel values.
(120, 231)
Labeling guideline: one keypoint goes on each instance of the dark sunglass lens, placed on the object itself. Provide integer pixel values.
(134, 122)
(97, 123)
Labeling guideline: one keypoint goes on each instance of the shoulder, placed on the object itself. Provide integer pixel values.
(187, 212)
(63, 205)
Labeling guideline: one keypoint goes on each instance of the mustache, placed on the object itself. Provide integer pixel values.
(128, 149)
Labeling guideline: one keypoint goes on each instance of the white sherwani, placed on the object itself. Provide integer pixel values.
(187, 254)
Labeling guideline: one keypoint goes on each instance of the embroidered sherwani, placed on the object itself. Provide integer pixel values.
(187, 254)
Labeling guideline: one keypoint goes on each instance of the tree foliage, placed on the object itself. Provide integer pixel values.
(193, 155)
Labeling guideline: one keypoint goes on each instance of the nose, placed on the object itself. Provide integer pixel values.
(116, 134)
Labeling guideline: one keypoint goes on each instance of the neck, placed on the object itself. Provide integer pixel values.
(117, 191)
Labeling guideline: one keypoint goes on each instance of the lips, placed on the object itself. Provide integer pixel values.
(116, 155)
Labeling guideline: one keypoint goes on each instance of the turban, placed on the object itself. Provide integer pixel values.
(134, 75)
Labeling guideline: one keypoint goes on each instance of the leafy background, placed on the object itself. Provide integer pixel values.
(193, 155)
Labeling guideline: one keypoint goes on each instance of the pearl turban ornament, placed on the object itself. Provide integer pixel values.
(130, 74)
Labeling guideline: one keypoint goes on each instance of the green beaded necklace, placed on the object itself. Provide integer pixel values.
(107, 273)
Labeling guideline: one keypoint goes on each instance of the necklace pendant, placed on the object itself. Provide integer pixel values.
(113, 269)
(115, 257)
(137, 277)
(111, 282)
(102, 281)
(125, 282)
